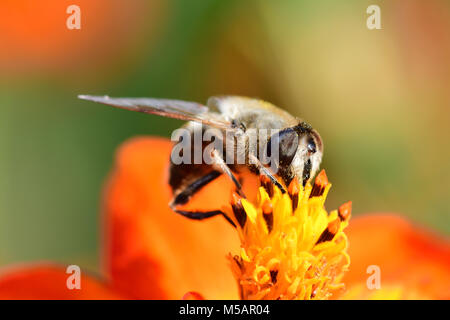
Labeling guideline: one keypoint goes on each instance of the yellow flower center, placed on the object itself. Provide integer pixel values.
(291, 248)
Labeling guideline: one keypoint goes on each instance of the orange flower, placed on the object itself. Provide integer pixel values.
(35, 37)
(152, 253)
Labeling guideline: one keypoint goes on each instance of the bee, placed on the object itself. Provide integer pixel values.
(299, 148)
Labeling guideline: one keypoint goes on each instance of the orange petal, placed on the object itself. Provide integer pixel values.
(153, 252)
(413, 262)
(45, 282)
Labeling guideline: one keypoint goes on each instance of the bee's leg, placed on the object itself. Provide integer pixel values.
(220, 165)
(263, 170)
(200, 215)
(188, 191)
(184, 196)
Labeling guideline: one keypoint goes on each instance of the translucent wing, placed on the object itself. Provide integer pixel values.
(177, 109)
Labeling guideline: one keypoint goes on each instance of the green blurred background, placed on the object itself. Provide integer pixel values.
(379, 98)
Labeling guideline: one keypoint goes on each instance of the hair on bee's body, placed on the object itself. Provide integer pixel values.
(297, 146)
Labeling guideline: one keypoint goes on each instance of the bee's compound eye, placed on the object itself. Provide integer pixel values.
(311, 146)
(286, 143)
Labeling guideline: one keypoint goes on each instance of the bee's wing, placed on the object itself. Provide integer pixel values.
(177, 109)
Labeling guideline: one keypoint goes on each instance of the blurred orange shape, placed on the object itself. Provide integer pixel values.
(46, 281)
(413, 262)
(35, 35)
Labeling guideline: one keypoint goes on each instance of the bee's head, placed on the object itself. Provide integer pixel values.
(300, 150)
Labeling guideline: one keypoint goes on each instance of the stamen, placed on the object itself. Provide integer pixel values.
(345, 211)
(291, 247)
(268, 214)
(329, 233)
(267, 184)
(273, 276)
(238, 210)
(319, 185)
(293, 190)
(314, 291)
